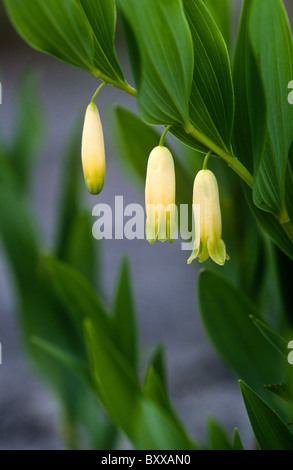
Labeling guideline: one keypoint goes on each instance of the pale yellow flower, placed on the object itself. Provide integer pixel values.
(208, 221)
(160, 196)
(93, 150)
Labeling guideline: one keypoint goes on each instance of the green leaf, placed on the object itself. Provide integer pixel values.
(166, 59)
(279, 343)
(155, 387)
(283, 268)
(57, 27)
(83, 252)
(211, 104)
(28, 132)
(154, 429)
(263, 123)
(72, 362)
(42, 315)
(270, 431)
(158, 363)
(225, 313)
(117, 385)
(289, 185)
(147, 425)
(271, 39)
(282, 390)
(237, 443)
(155, 390)
(270, 225)
(101, 15)
(250, 129)
(124, 314)
(222, 14)
(76, 294)
(69, 202)
(218, 438)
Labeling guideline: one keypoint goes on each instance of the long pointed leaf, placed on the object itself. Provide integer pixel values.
(211, 104)
(101, 15)
(270, 431)
(166, 59)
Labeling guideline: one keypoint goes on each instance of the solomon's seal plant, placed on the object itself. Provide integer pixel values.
(219, 102)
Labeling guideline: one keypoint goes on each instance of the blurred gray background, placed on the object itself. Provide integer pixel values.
(164, 285)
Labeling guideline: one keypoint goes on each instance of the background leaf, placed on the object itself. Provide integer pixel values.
(154, 429)
(225, 315)
(28, 130)
(117, 384)
(74, 242)
(237, 443)
(124, 314)
(218, 438)
(76, 293)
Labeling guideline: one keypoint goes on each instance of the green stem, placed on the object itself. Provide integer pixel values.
(162, 140)
(117, 83)
(230, 159)
(205, 163)
(97, 91)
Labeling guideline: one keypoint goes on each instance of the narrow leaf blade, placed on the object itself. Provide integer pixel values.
(166, 59)
(101, 15)
(270, 431)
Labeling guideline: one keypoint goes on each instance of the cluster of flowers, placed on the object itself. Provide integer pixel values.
(160, 193)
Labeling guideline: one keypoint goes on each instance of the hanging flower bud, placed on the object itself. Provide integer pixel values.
(160, 196)
(208, 223)
(93, 150)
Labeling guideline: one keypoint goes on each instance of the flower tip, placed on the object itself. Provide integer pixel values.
(94, 187)
(217, 251)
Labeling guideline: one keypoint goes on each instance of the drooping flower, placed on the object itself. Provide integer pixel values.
(160, 196)
(93, 150)
(208, 221)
